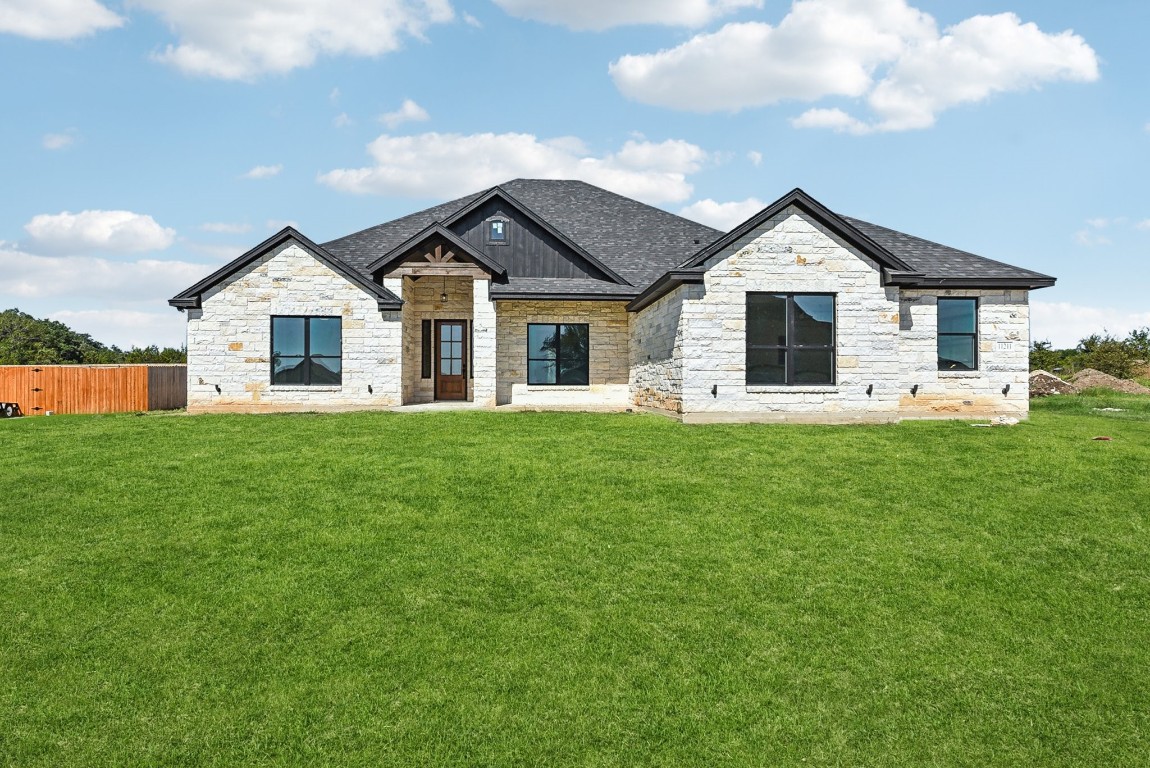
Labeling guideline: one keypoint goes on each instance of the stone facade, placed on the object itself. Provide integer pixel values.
(1000, 386)
(685, 353)
(792, 254)
(657, 351)
(229, 339)
(609, 332)
(689, 348)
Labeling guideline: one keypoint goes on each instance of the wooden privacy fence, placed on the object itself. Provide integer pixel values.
(94, 388)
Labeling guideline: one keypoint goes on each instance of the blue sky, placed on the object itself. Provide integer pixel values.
(147, 142)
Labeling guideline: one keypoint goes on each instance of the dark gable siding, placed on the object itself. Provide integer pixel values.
(532, 252)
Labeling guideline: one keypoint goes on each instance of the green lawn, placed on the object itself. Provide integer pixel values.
(478, 588)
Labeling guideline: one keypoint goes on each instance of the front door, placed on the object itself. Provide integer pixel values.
(451, 360)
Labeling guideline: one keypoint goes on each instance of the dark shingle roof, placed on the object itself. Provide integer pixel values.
(940, 262)
(641, 243)
(633, 239)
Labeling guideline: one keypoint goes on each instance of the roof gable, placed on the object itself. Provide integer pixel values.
(501, 195)
(431, 234)
(192, 297)
(817, 211)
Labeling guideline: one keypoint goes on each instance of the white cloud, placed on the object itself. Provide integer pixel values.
(61, 140)
(603, 14)
(882, 51)
(30, 276)
(408, 112)
(435, 165)
(127, 328)
(1143, 225)
(756, 158)
(120, 231)
(263, 172)
(342, 120)
(56, 19)
(275, 225)
(226, 228)
(835, 119)
(471, 21)
(243, 40)
(1091, 236)
(1065, 324)
(724, 216)
(1090, 239)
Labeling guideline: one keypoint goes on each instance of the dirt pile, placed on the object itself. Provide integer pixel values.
(1044, 384)
(1088, 378)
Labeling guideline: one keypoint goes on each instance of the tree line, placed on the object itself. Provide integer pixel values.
(27, 340)
(1124, 358)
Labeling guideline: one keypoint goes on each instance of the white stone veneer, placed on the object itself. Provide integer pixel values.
(229, 339)
(689, 348)
(1003, 358)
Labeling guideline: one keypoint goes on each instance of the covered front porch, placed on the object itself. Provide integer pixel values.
(448, 318)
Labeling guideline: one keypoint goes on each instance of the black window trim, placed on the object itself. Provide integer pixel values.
(558, 356)
(307, 356)
(789, 349)
(973, 336)
(506, 230)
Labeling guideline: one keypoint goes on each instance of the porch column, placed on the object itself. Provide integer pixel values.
(483, 349)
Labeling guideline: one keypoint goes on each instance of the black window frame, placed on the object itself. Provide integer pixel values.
(307, 356)
(488, 240)
(790, 347)
(972, 335)
(558, 356)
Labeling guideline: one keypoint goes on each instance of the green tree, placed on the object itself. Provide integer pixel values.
(27, 340)
(1107, 353)
(1044, 357)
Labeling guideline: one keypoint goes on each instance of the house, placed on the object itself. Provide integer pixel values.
(543, 293)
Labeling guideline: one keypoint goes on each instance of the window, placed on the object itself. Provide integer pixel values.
(307, 351)
(958, 334)
(790, 339)
(497, 231)
(557, 354)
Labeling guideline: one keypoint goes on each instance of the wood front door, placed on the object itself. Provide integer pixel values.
(450, 360)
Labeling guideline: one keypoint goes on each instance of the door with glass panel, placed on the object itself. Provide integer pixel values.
(451, 360)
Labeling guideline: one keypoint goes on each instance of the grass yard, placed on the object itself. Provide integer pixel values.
(472, 588)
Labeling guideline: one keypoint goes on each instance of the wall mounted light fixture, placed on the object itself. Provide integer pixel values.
(870, 390)
(443, 296)
(1006, 390)
(914, 391)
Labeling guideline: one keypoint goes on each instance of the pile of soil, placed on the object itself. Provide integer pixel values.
(1088, 378)
(1043, 384)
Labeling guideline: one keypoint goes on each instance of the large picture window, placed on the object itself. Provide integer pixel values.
(307, 351)
(790, 339)
(557, 353)
(958, 334)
